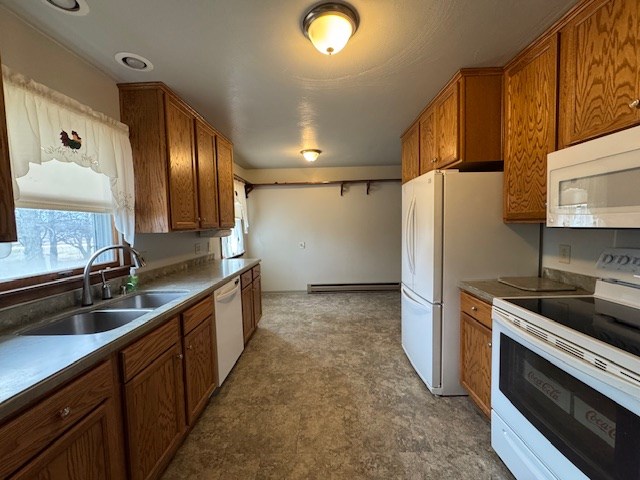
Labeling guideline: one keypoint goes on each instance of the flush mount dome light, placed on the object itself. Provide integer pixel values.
(311, 154)
(133, 61)
(70, 7)
(329, 26)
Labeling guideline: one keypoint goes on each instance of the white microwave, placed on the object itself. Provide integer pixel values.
(596, 184)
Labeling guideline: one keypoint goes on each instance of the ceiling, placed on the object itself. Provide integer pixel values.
(246, 66)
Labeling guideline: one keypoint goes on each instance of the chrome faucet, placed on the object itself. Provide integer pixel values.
(138, 261)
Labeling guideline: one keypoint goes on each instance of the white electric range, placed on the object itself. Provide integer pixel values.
(565, 389)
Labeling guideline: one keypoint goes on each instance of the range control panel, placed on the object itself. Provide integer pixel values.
(626, 260)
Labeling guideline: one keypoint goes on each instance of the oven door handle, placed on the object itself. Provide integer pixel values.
(574, 363)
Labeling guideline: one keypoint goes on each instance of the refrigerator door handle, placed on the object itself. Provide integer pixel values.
(411, 236)
(408, 234)
(406, 294)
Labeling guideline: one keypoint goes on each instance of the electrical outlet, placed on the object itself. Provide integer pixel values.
(302, 245)
(197, 248)
(564, 251)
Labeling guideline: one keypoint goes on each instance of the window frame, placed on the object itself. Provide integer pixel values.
(19, 290)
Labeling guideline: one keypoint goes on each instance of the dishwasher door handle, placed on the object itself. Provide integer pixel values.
(225, 296)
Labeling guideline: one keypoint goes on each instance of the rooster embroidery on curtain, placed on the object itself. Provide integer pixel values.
(74, 142)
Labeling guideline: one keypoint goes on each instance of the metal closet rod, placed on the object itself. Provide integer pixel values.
(248, 186)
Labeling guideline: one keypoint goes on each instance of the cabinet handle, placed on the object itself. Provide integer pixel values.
(474, 309)
(198, 219)
(435, 160)
(203, 219)
(65, 412)
(489, 344)
(635, 103)
(180, 356)
(189, 347)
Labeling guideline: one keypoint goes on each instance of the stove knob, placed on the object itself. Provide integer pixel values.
(607, 259)
(623, 259)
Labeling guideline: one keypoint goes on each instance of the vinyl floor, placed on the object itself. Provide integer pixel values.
(324, 391)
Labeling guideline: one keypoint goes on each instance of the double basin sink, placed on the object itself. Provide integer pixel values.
(109, 316)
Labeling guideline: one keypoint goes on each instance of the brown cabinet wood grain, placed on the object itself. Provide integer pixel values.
(199, 368)
(247, 313)
(448, 128)
(257, 300)
(225, 183)
(183, 167)
(411, 153)
(599, 70)
(475, 350)
(530, 92)
(155, 414)
(8, 231)
(207, 176)
(81, 418)
(251, 282)
(428, 145)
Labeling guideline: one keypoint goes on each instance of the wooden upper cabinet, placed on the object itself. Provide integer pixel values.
(599, 70)
(461, 128)
(183, 187)
(428, 147)
(178, 172)
(207, 176)
(411, 153)
(225, 183)
(448, 132)
(530, 92)
(8, 231)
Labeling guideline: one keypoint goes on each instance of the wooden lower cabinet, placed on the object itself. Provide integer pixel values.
(475, 351)
(251, 301)
(199, 368)
(72, 434)
(155, 415)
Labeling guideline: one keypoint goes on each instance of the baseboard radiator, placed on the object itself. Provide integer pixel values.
(351, 287)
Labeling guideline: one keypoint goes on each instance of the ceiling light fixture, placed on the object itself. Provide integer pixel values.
(329, 26)
(70, 7)
(311, 154)
(133, 61)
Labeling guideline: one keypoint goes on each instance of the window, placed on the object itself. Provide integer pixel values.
(233, 245)
(52, 241)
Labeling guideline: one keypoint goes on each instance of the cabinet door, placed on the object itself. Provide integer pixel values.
(475, 363)
(225, 183)
(7, 213)
(86, 452)
(207, 176)
(448, 126)
(155, 414)
(183, 188)
(257, 300)
(199, 368)
(411, 153)
(247, 312)
(428, 147)
(530, 131)
(599, 70)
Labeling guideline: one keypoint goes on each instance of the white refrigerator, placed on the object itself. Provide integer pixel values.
(452, 230)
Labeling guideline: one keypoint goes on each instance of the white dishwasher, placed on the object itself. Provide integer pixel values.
(229, 334)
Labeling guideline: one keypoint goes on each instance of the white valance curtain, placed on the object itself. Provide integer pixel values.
(45, 125)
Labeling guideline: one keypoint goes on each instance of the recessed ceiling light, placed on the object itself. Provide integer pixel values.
(70, 7)
(134, 62)
(311, 154)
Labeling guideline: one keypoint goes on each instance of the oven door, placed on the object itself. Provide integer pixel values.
(557, 417)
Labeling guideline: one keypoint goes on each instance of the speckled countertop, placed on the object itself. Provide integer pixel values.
(30, 366)
(487, 290)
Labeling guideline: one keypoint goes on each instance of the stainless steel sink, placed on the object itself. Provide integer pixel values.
(87, 323)
(146, 300)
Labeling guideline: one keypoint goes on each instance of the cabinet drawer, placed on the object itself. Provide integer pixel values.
(192, 317)
(25, 436)
(256, 271)
(246, 278)
(476, 308)
(142, 353)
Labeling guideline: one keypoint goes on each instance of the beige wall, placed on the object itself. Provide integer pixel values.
(26, 50)
(348, 239)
